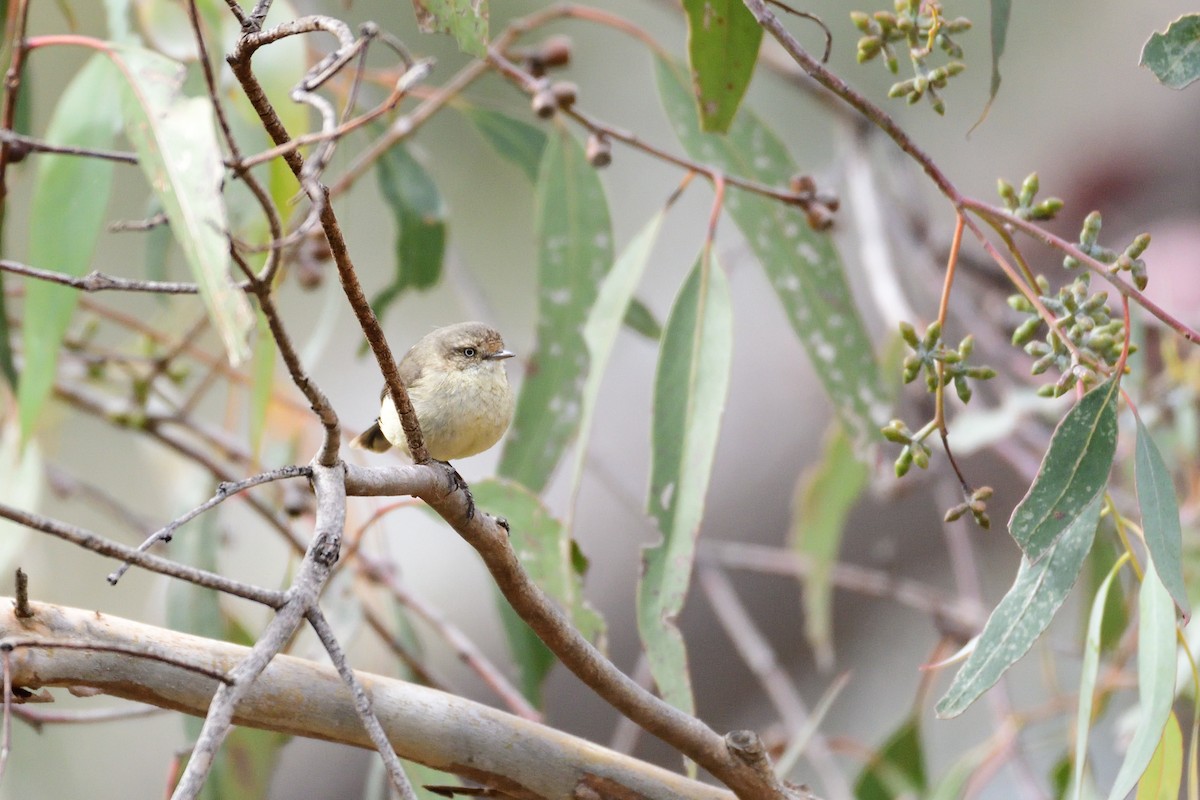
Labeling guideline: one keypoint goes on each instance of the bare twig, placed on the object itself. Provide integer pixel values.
(301, 597)
(759, 656)
(362, 704)
(224, 491)
(106, 547)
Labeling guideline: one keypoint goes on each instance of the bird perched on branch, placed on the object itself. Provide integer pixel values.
(457, 384)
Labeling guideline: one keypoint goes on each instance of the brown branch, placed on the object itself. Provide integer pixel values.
(490, 539)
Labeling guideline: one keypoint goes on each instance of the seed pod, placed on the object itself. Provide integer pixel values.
(565, 93)
(544, 103)
(598, 150)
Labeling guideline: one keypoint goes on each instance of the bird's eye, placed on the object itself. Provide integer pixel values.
(469, 352)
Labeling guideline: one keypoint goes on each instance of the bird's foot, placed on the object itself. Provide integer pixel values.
(459, 484)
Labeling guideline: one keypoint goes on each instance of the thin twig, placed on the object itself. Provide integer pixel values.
(362, 704)
(106, 547)
(224, 492)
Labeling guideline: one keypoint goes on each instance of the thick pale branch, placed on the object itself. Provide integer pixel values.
(303, 698)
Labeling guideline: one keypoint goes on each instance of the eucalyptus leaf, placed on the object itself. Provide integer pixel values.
(177, 148)
(70, 197)
(1174, 55)
(898, 769)
(690, 387)
(519, 142)
(1024, 613)
(825, 495)
(1160, 516)
(548, 556)
(419, 214)
(1164, 773)
(465, 20)
(1088, 672)
(574, 237)
(802, 265)
(1156, 665)
(723, 42)
(1073, 473)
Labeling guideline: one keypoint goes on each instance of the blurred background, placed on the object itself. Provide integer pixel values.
(1074, 106)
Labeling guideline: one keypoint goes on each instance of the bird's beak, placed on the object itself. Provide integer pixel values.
(500, 354)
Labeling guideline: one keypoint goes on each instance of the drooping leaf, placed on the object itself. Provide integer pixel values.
(803, 266)
(1156, 679)
(465, 20)
(1174, 55)
(825, 494)
(1164, 773)
(604, 323)
(723, 41)
(1160, 516)
(1088, 672)
(1073, 473)
(1024, 612)
(898, 769)
(419, 215)
(177, 148)
(70, 197)
(519, 142)
(546, 552)
(690, 386)
(574, 254)
(1001, 11)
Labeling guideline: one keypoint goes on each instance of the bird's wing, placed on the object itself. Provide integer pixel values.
(410, 373)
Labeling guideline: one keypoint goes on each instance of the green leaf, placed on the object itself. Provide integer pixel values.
(70, 197)
(1156, 679)
(519, 142)
(825, 495)
(640, 319)
(1024, 612)
(803, 266)
(1174, 55)
(690, 386)
(1001, 11)
(1088, 672)
(604, 323)
(1115, 617)
(1165, 771)
(420, 218)
(898, 769)
(1073, 473)
(723, 41)
(545, 551)
(465, 20)
(1160, 516)
(177, 148)
(574, 254)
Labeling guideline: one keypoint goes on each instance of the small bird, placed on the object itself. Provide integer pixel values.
(457, 384)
